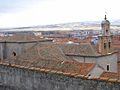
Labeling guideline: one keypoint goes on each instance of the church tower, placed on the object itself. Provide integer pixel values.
(105, 45)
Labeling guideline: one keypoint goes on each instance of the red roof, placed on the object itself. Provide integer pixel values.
(110, 76)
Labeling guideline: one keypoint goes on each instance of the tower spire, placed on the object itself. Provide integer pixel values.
(105, 17)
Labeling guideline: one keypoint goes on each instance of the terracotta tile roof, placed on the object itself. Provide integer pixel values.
(72, 68)
(44, 51)
(56, 52)
(110, 76)
(51, 57)
(83, 49)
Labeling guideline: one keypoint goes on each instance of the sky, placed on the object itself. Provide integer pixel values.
(20, 13)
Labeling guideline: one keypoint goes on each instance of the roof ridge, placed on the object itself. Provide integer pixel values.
(100, 67)
(93, 50)
(32, 46)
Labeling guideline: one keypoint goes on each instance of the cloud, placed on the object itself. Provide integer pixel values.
(39, 12)
(13, 6)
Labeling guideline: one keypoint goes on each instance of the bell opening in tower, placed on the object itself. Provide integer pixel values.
(109, 43)
(104, 45)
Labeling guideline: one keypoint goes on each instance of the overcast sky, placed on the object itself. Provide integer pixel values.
(17, 13)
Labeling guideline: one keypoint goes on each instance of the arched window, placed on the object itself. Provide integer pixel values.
(106, 32)
(14, 54)
(104, 45)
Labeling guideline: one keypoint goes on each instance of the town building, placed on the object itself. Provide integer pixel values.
(31, 63)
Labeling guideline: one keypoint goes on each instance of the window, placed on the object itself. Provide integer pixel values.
(108, 67)
(106, 31)
(89, 75)
(109, 44)
(104, 45)
(14, 54)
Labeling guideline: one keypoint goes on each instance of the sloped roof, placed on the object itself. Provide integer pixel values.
(71, 67)
(83, 49)
(44, 51)
(51, 57)
(110, 76)
(57, 51)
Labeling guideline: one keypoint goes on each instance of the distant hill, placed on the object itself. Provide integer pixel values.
(64, 26)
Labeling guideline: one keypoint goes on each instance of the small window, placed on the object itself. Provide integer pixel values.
(14, 54)
(89, 75)
(109, 44)
(108, 67)
(106, 32)
(104, 45)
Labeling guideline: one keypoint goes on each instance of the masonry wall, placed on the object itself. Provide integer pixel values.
(12, 78)
(110, 60)
(102, 61)
(7, 48)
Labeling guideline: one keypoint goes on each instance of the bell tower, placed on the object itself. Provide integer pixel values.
(105, 45)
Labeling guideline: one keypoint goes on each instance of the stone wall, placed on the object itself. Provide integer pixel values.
(103, 61)
(110, 60)
(14, 78)
(7, 48)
